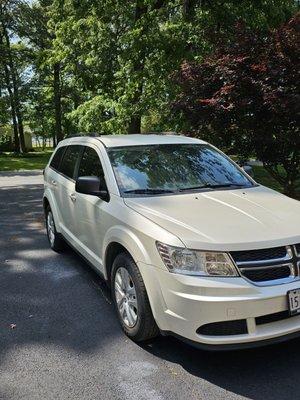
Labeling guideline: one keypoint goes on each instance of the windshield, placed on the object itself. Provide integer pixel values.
(170, 168)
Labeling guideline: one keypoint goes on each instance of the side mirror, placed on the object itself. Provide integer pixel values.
(91, 185)
(248, 169)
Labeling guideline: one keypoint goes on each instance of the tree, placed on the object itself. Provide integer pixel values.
(118, 55)
(246, 96)
(105, 66)
(7, 101)
(31, 24)
(12, 78)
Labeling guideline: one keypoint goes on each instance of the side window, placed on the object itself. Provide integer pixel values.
(69, 161)
(90, 164)
(57, 157)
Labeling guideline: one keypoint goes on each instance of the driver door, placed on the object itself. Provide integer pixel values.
(90, 210)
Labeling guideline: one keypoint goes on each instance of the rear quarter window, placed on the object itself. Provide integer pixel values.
(55, 162)
(70, 160)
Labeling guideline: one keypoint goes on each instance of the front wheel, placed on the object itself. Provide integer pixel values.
(131, 300)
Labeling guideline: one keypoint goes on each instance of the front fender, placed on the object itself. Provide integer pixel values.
(129, 240)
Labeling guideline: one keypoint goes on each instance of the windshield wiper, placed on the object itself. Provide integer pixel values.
(212, 186)
(161, 191)
(148, 191)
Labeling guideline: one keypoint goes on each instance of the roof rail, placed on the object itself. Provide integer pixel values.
(98, 134)
(161, 133)
(81, 134)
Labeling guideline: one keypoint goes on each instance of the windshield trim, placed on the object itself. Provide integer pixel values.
(180, 192)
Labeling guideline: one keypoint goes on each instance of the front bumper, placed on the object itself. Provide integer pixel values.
(183, 304)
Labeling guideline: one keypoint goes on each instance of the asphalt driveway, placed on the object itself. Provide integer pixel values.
(60, 338)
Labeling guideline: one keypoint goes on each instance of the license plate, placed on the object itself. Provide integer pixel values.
(294, 301)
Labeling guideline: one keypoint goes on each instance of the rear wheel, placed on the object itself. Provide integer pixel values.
(55, 239)
(131, 300)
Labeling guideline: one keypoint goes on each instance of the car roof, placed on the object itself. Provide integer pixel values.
(140, 139)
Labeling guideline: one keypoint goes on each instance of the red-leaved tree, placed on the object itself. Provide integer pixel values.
(246, 97)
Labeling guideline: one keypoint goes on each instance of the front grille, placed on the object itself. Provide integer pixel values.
(224, 328)
(259, 255)
(267, 274)
(269, 266)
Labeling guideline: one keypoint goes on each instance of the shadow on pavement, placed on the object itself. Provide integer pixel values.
(261, 374)
(56, 299)
(46, 297)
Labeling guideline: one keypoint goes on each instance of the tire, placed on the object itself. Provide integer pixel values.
(55, 239)
(144, 326)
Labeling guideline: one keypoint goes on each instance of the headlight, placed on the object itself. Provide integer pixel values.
(191, 262)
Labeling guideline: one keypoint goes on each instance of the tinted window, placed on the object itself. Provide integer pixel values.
(57, 157)
(69, 160)
(173, 167)
(90, 164)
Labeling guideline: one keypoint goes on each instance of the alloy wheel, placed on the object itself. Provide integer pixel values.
(50, 228)
(126, 298)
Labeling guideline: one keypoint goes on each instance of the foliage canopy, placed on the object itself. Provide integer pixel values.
(247, 96)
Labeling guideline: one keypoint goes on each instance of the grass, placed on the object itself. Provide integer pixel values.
(263, 177)
(28, 161)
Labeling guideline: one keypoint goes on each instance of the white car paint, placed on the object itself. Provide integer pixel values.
(221, 220)
(228, 220)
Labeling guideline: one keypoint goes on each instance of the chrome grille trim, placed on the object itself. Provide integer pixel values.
(287, 257)
(290, 265)
(279, 281)
(290, 260)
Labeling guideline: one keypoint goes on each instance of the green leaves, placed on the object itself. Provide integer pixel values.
(116, 58)
(246, 97)
(126, 52)
(98, 114)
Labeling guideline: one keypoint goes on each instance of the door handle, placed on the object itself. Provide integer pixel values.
(73, 197)
(53, 182)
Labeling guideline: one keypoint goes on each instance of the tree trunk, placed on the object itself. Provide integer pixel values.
(288, 182)
(188, 9)
(54, 139)
(13, 110)
(21, 128)
(135, 124)
(37, 139)
(289, 189)
(17, 104)
(138, 67)
(135, 119)
(58, 136)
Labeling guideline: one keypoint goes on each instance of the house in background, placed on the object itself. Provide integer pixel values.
(7, 138)
(28, 138)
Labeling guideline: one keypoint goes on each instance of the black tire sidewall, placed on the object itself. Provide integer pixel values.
(58, 242)
(125, 261)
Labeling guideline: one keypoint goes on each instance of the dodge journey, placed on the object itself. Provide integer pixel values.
(188, 242)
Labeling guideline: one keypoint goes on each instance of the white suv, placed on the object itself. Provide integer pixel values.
(189, 243)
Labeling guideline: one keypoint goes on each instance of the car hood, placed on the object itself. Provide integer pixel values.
(226, 220)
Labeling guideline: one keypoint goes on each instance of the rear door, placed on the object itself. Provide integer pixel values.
(51, 175)
(66, 196)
